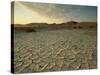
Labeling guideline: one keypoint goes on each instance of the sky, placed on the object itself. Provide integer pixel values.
(32, 12)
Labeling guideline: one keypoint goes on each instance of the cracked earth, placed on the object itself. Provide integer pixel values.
(56, 50)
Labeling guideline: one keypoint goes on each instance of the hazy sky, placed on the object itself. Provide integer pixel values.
(29, 12)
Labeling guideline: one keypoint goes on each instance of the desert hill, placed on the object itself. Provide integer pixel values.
(68, 25)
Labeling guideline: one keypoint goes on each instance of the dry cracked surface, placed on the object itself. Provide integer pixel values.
(57, 50)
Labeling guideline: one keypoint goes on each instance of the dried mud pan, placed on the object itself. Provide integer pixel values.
(55, 50)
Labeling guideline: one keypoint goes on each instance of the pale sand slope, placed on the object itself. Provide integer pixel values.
(54, 50)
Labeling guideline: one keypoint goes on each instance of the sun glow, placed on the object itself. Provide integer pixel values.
(24, 15)
(27, 12)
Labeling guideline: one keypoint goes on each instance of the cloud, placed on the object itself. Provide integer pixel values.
(51, 10)
(60, 12)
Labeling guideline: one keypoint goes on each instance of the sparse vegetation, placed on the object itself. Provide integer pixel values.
(30, 30)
